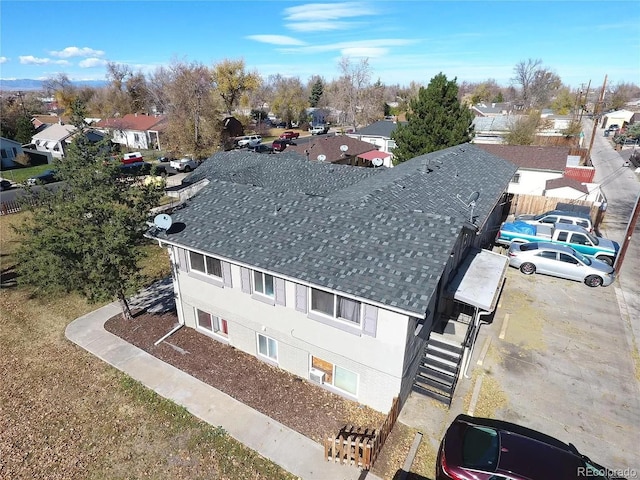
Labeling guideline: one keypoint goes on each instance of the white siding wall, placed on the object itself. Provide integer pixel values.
(377, 361)
(532, 182)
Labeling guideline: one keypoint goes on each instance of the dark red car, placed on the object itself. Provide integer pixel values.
(289, 135)
(279, 144)
(486, 449)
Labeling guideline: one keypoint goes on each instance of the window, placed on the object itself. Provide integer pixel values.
(263, 284)
(268, 347)
(3, 153)
(562, 236)
(547, 254)
(15, 152)
(205, 264)
(136, 137)
(568, 259)
(580, 239)
(335, 306)
(549, 219)
(516, 178)
(212, 323)
(336, 376)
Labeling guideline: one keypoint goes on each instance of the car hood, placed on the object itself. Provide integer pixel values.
(525, 217)
(601, 266)
(609, 244)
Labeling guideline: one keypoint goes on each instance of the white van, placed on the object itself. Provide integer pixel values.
(559, 216)
(249, 141)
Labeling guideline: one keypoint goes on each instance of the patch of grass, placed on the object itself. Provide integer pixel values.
(20, 174)
(155, 264)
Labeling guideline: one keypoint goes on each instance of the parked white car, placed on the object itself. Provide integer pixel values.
(183, 164)
(319, 130)
(249, 141)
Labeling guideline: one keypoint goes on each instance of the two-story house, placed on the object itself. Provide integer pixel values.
(337, 274)
(379, 134)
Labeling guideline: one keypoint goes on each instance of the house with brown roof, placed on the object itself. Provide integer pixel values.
(339, 149)
(135, 130)
(548, 171)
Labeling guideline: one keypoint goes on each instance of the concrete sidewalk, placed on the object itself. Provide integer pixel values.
(292, 451)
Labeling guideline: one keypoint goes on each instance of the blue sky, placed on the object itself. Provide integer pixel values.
(404, 40)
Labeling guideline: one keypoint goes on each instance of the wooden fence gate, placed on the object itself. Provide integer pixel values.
(359, 446)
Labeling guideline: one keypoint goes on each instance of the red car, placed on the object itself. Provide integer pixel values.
(289, 135)
(486, 449)
(279, 144)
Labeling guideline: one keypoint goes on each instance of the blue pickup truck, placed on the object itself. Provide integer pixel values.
(576, 237)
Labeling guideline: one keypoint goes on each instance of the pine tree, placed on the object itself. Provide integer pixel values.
(24, 130)
(85, 236)
(435, 120)
(316, 92)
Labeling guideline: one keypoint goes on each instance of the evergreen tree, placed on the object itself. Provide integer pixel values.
(435, 120)
(316, 92)
(24, 130)
(85, 236)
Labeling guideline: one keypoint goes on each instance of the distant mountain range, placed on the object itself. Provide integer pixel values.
(30, 84)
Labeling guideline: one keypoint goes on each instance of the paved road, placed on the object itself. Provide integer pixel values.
(621, 186)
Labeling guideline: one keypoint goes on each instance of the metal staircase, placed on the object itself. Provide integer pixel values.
(438, 372)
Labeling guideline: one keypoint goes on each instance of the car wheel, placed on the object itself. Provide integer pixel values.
(528, 268)
(593, 281)
(607, 260)
(187, 169)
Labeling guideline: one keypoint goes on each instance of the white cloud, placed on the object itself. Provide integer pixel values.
(31, 60)
(77, 52)
(3, 59)
(92, 62)
(369, 52)
(373, 45)
(276, 39)
(316, 17)
(320, 26)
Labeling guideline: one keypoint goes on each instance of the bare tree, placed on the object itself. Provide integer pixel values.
(157, 85)
(537, 84)
(621, 94)
(193, 116)
(354, 79)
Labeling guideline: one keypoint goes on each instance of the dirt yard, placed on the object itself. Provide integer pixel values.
(292, 401)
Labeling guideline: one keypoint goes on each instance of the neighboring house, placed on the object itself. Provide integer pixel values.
(318, 116)
(492, 130)
(9, 150)
(40, 122)
(537, 166)
(619, 117)
(571, 189)
(491, 110)
(378, 134)
(135, 131)
(340, 275)
(54, 139)
(340, 149)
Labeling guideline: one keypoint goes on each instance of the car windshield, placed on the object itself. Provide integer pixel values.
(480, 448)
(582, 258)
(593, 238)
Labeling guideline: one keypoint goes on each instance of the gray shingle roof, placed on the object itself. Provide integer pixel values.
(381, 128)
(378, 234)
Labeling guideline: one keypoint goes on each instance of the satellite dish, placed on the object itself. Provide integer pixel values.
(473, 197)
(163, 221)
(377, 162)
(322, 158)
(344, 148)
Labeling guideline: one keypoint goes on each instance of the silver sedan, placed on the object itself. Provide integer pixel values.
(560, 261)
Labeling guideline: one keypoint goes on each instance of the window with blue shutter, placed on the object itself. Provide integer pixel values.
(301, 298)
(370, 320)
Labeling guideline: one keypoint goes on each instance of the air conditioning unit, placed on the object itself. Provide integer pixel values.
(316, 375)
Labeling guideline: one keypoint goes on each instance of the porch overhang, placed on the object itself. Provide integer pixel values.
(479, 279)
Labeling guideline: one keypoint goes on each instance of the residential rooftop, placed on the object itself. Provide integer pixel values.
(383, 235)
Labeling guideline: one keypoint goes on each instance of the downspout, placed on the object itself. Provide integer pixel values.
(477, 324)
(176, 289)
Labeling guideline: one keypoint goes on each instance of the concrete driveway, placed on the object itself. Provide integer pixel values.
(557, 358)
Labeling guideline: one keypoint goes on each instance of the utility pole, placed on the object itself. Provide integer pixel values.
(596, 111)
(628, 234)
(586, 99)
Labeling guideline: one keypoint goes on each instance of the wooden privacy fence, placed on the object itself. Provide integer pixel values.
(359, 446)
(536, 204)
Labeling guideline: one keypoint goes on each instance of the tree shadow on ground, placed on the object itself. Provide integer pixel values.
(8, 277)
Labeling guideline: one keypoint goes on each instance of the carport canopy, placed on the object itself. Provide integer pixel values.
(479, 279)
